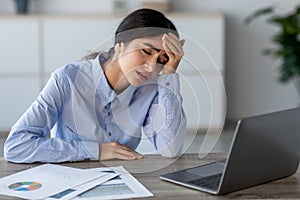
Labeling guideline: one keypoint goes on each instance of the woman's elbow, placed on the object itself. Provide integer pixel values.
(10, 154)
(13, 152)
(15, 156)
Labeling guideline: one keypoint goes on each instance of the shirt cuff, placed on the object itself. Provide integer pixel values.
(89, 150)
(169, 82)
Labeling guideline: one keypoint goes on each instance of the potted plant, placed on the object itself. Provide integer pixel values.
(287, 42)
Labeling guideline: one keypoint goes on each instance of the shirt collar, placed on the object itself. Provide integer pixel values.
(125, 97)
(105, 93)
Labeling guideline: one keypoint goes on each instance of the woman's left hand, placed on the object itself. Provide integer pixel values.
(173, 47)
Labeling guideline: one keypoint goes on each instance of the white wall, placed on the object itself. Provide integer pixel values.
(251, 78)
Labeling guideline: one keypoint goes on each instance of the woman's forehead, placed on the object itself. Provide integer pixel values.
(150, 42)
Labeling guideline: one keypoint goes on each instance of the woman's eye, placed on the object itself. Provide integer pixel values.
(163, 59)
(146, 52)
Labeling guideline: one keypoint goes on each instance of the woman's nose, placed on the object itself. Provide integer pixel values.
(151, 65)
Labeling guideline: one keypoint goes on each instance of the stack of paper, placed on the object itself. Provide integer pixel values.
(51, 181)
(121, 187)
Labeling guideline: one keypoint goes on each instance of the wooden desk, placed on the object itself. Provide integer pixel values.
(287, 188)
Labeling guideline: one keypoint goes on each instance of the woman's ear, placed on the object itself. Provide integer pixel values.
(119, 47)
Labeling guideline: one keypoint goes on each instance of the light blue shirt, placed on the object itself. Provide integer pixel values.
(80, 110)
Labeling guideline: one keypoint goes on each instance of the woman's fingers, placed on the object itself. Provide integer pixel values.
(127, 154)
(122, 149)
(172, 44)
(173, 47)
(115, 150)
(125, 149)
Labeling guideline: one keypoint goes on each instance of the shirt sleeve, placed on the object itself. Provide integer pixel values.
(28, 140)
(166, 121)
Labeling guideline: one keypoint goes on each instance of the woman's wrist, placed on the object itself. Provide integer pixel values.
(168, 70)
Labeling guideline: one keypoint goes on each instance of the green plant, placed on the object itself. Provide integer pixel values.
(287, 42)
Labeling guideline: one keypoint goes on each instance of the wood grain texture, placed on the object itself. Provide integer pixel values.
(287, 188)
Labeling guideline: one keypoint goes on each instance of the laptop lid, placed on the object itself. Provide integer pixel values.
(266, 148)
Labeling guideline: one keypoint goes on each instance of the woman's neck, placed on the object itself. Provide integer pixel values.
(114, 75)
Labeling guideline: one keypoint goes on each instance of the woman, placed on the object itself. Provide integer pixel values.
(96, 109)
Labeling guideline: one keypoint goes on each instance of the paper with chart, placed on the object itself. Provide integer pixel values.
(73, 192)
(121, 187)
(46, 180)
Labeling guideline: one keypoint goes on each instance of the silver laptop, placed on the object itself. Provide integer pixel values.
(264, 148)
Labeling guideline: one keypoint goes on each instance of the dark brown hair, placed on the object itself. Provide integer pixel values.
(140, 23)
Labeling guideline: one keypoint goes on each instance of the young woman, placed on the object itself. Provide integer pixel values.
(95, 109)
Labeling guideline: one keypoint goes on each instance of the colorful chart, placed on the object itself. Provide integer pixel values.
(25, 186)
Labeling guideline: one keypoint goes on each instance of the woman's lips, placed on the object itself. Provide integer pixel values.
(142, 76)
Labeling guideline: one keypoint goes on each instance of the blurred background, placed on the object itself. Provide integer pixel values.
(47, 34)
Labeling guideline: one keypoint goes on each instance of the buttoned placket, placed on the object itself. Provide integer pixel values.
(108, 119)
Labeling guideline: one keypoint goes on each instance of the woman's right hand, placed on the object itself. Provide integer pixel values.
(114, 150)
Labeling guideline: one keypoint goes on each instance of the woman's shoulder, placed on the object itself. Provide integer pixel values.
(71, 70)
(72, 67)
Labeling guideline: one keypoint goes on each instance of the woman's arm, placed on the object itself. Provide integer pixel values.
(29, 139)
(166, 121)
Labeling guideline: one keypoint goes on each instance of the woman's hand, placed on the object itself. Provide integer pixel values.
(116, 150)
(173, 48)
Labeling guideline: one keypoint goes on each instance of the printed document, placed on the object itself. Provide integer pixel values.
(121, 187)
(48, 179)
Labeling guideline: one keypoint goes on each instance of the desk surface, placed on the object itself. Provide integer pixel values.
(287, 188)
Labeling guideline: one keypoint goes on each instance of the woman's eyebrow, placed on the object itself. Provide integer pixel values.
(151, 46)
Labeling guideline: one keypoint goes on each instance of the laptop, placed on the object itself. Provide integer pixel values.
(264, 148)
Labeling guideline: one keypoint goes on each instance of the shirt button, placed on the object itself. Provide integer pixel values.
(167, 83)
(108, 114)
(107, 106)
(109, 133)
